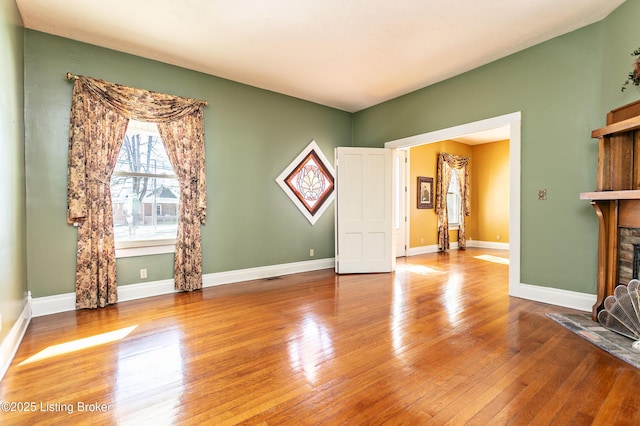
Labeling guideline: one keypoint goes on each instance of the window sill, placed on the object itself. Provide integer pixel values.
(145, 248)
(454, 227)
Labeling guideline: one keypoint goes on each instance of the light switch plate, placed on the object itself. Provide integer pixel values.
(542, 194)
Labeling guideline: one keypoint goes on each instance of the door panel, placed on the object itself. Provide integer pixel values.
(364, 210)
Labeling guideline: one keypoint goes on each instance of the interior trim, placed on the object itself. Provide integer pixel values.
(558, 297)
(67, 302)
(10, 344)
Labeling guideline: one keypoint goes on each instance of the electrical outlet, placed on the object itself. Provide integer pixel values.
(143, 273)
(311, 252)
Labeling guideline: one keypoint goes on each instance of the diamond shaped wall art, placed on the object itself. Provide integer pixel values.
(308, 181)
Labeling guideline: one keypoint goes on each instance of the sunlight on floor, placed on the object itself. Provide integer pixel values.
(416, 269)
(494, 259)
(77, 345)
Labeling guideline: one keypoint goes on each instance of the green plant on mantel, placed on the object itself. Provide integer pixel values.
(634, 74)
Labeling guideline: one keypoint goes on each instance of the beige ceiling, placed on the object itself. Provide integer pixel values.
(347, 54)
(485, 136)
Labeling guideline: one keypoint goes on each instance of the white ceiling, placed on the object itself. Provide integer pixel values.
(485, 136)
(347, 54)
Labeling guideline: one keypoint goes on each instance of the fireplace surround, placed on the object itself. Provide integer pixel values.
(616, 199)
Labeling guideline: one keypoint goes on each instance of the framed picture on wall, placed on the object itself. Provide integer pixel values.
(425, 192)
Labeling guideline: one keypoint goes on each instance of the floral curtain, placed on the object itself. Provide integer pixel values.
(184, 140)
(447, 163)
(100, 113)
(95, 137)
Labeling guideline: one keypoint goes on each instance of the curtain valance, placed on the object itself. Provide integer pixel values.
(140, 104)
(460, 164)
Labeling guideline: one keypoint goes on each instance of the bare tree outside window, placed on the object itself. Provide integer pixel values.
(144, 188)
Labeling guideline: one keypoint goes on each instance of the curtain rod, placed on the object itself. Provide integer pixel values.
(75, 77)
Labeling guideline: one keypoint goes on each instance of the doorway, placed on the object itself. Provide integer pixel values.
(511, 122)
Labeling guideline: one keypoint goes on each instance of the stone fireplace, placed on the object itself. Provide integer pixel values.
(629, 254)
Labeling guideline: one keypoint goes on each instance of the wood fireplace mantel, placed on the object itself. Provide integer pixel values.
(611, 195)
(617, 197)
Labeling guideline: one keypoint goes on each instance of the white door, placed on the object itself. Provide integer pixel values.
(364, 210)
(400, 201)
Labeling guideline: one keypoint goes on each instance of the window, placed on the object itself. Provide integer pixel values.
(454, 200)
(144, 191)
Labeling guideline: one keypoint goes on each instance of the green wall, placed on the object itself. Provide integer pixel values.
(251, 135)
(563, 88)
(621, 38)
(13, 284)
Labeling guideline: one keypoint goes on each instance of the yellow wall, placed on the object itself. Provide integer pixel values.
(424, 222)
(490, 192)
(489, 174)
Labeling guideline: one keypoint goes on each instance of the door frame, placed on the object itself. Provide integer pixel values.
(513, 121)
(404, 194)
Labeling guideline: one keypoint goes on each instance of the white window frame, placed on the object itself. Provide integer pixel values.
(144, 247)
(458, 200)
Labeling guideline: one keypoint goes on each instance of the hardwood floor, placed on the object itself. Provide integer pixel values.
(437, 342)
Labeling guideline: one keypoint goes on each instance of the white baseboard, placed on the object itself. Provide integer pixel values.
(142, 290)
(557, 297)
(414, 251)
(488, 245)
(53, 304)
(228, 277)
(10, 344)
(67, 302)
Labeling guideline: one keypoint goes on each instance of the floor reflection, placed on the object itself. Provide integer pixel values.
(310, 346)
(452, 296)
(398, 319)
(150, 369)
